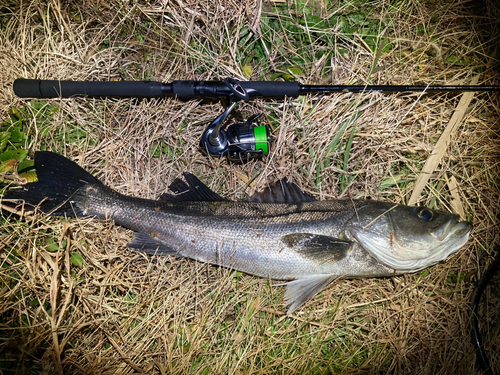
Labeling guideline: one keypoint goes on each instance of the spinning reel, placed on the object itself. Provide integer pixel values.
(241, 141)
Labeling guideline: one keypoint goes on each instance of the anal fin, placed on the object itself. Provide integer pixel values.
(149, 245)
(302, 290)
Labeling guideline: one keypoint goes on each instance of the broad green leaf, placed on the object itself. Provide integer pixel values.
(25, 164)
(276, 75)
(51, 245)
(29, 176)
(4, 138)
(77, 260)
(38, 104)
(8, 165)
(314, 21)
(14, 154)
(358, 19)
(16, 134)
(247, 70)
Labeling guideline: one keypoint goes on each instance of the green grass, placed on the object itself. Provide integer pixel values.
(299, 37)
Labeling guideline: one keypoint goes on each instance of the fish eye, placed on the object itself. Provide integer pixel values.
(425, 214)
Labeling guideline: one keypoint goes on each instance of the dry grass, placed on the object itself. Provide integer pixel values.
(122, 312)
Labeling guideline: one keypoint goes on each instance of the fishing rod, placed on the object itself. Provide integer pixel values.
(241, 141)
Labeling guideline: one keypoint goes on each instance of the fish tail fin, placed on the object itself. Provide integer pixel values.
(59, 191)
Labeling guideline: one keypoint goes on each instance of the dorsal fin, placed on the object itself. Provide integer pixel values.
(193, 190)
(281, 192)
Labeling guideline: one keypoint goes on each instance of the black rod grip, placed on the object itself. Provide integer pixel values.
(36, 88)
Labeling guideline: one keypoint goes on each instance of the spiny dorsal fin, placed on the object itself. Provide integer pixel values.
(193, 190)
(281, 192)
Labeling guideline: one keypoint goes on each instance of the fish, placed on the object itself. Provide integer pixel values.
(280, 233)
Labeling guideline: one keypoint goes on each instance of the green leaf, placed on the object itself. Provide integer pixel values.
(51, 245)
(371, 41)
(16, 113)
(25, 164)
(14, 154)
(247, 70)
(237, 276)
(8, 165)
(276, 75)
(295, 70)
(38, 104)
(4, 138)
(314, 21)
(30, 176)
(463, 274)
(17, 134)
(358, 19)
(458, 61)
(77, 260)
(345, 27)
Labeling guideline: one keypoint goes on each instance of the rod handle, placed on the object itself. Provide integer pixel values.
(37, 88)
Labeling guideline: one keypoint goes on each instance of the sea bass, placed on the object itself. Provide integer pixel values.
(281, 233)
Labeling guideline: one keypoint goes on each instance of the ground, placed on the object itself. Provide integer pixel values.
(74, 299)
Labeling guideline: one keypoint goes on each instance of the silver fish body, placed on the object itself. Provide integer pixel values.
(308, 242)
(247, 236)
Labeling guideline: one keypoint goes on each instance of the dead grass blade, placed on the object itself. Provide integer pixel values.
(442, 144)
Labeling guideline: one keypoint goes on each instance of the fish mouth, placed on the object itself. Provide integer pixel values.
(452, 228)
(462, 228)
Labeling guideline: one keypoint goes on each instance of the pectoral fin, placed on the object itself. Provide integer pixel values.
(302, 290)
(149, 245)
(317, 248)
